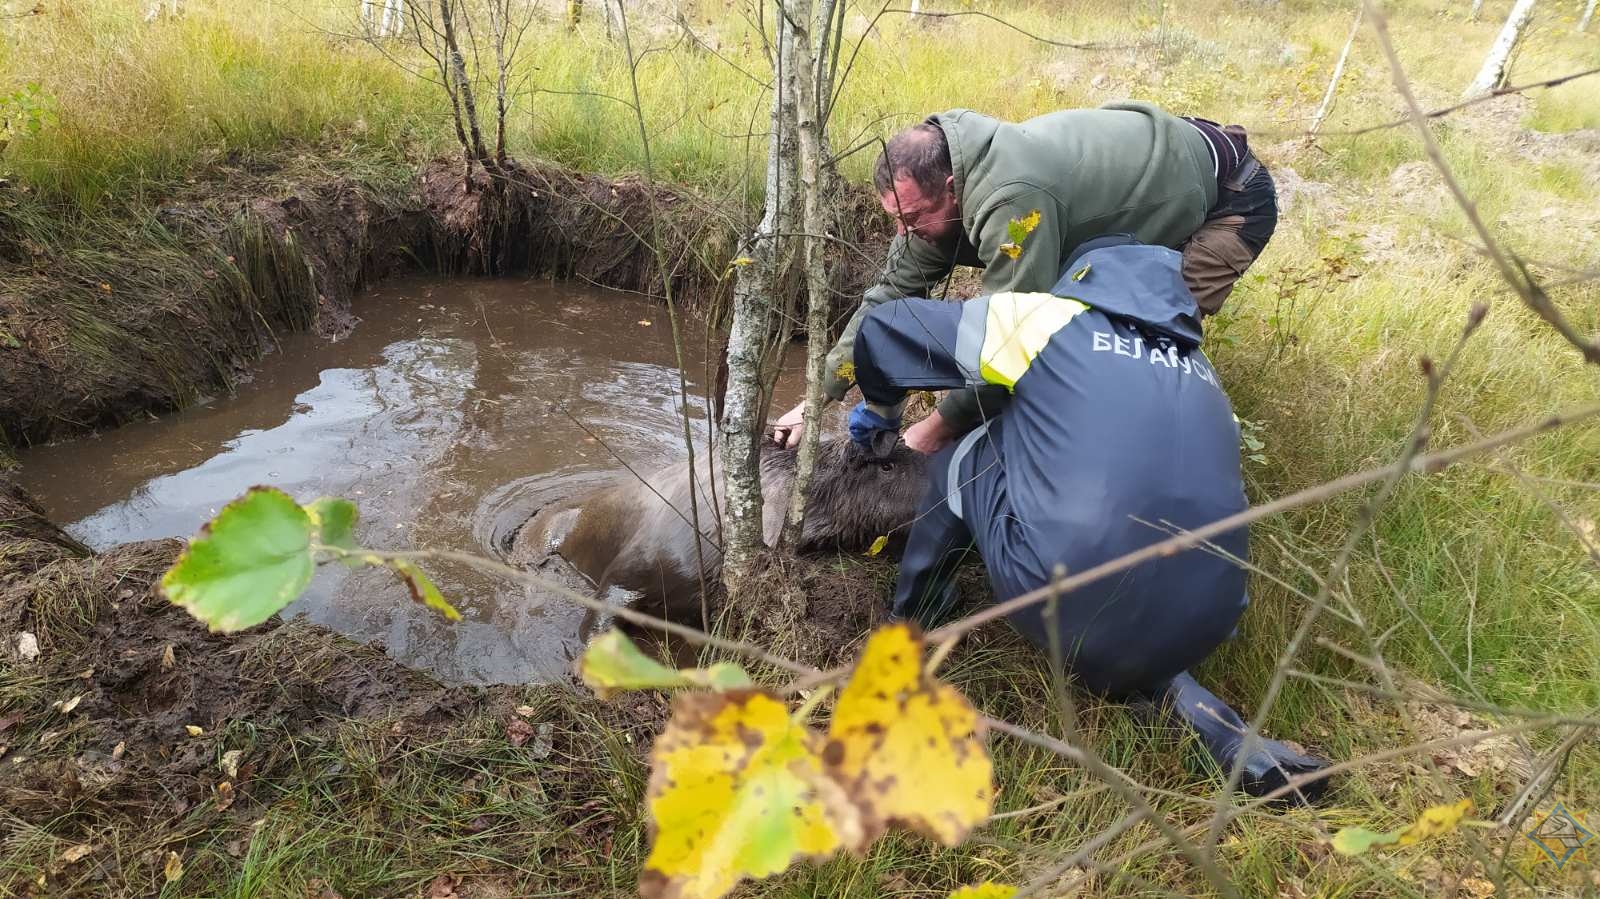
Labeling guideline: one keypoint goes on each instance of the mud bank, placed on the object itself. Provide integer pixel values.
(101, 324)
(128, 732)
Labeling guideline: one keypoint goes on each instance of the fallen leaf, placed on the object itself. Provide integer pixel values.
(76, 853)
(518, 731)
(543, 745)
(443, 887)
(25, 646)
(194, 730)
(878, 545)
(173, 869)
(907, 748)
(737, 790)
(527, 711)
(230, 762)
(317, 888)
(169, 657)
(225, 796)
(118, 750)
(10, 720)
(65, 706)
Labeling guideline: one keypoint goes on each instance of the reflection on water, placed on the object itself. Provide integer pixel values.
(453, 411)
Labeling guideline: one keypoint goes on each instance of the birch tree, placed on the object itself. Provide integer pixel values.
(756, 313)
(1493, 73)
(1338, 72)
(1588, 14)
(811, 29)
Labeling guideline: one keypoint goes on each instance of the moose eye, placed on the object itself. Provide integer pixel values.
(886, 466)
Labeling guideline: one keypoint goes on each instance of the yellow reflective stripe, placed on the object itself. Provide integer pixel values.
(1018, 327)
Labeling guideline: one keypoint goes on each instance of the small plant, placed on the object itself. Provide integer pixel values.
(1250, 440)
(24, 113)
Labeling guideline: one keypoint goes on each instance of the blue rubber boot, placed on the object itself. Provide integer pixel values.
(1268, 766)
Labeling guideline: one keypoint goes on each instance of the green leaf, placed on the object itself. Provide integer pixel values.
(423, 590)
(1356, 840)
(612, 663)
(246, 564)
(333, 522)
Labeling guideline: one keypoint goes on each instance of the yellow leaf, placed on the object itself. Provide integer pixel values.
(173, 868)
(230, 762)
(1436, 821)
(741, 261)
(737, 790)
(908, 749)
(1011, 249)
(66, 705)
(194, 729)
(878, 545)
(612, 662)
(846, 371)
(985, 890)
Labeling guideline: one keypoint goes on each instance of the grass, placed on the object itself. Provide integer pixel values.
(1478, 584)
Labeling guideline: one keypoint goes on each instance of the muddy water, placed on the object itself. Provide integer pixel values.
(454, 410)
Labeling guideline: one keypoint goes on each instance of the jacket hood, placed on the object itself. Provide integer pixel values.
(1139, 282)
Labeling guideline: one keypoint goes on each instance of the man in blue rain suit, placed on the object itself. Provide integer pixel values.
(1117, 433)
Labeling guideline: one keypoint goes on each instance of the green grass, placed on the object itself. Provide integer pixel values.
(1476, 581)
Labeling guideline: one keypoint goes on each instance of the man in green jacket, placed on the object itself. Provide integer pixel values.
(956, 182)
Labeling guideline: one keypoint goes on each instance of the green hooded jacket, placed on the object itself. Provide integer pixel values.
(1123, 168)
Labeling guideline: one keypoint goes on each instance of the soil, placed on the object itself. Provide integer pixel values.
(120, 709)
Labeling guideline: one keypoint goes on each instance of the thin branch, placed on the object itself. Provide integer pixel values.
(1515, 273)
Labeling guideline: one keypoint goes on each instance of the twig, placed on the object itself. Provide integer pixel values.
(1515, 273)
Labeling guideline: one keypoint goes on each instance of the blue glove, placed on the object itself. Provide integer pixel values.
(866, 424)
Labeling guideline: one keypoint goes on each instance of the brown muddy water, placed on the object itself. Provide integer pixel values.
(453, 411)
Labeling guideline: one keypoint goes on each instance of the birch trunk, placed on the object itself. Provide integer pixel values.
(755, 316)
(463, 91)
(1338, 72)
(1493, 72)
(1477, 7)
(807, 128)
(1588, 14)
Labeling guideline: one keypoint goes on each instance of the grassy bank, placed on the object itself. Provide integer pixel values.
(1477, 578)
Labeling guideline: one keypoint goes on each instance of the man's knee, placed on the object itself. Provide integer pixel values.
(1214, 259)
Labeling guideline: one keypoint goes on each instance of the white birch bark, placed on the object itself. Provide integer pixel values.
(1477, 7)
(160, 9)
(1588, 14)
(808, 130)
(1338, 72)
(1494, 65)
(755, 314)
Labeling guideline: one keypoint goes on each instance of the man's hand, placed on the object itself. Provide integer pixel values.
(929, 435)
(788, 430)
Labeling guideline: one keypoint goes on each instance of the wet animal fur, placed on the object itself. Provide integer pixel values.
(636, 534)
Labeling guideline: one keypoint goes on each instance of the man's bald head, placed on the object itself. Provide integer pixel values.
(919, 153)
